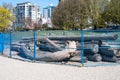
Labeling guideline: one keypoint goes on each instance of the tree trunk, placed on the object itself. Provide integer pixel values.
(75, 38)
(53, 44)
(86, 38)
(15, 48)
(46, 56)
(89, 47)
(110, 50)
(47, 47)
(94, 57)
(78, 59)
(110, 58)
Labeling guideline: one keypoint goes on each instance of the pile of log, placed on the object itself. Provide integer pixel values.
(110, 52)
(91, 50)
(95, 49)
(101, 51)
(49, 45)
(60, 55)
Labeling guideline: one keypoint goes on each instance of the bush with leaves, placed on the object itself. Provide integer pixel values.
(75, 14)
(112, 12)
(5, 18)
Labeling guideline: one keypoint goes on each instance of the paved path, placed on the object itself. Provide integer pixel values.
(11, 69)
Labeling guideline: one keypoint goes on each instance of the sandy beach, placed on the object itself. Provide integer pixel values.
(11, 69)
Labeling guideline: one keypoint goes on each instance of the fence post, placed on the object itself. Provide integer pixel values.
(82, 47)
(63, 33)
(1, 43)
(10, 44)
(34, 46)
(107, 32)
(49, 34)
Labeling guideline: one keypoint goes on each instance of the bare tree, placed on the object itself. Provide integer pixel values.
(97, 7)
(71, 14)
(8, 6)
(27, 22)
(112, 12)
(74, 14)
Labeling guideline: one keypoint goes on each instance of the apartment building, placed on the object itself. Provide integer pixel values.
(26, 11)
(47, 11)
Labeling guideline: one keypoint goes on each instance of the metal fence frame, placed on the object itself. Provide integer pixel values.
(82, 32)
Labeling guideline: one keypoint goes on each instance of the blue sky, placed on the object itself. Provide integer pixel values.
(41, 3)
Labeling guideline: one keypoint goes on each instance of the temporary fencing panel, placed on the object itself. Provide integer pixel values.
(1, 42)
(94, 47)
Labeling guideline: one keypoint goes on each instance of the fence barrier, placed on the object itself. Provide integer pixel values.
(1, 42)
(94, 47)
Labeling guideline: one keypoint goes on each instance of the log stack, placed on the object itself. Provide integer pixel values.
(91, 50)
(101, 51)
(94, 47)
(110, 52)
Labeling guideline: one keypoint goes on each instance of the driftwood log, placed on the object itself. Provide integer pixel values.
(46, 47)
(94, 57)
(15, 48)
(87, 38)
(49, 45)
(89, 47)
(90, 51)
(110, 50)
(114, 43)
(78, 59)
(76, 38)
(46, 44)
(110, 58)
(53, 44)
(55, 56)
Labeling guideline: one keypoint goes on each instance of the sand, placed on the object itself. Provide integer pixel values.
(11, 69)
